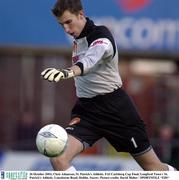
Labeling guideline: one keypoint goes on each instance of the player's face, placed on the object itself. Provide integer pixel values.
(73, 24)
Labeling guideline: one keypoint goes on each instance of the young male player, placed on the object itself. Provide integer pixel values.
(103, 108)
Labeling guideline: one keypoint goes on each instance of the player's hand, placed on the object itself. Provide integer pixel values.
(52, 74)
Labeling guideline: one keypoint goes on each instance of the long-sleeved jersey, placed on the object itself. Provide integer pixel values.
(95, 52)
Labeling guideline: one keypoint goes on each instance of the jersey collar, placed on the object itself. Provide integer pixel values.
(89, 26)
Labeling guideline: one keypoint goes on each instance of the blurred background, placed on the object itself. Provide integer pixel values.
(147, 34)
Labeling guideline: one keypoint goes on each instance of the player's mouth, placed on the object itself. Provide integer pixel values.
(73, 34)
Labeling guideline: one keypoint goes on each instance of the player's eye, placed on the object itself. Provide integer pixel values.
(68, 22)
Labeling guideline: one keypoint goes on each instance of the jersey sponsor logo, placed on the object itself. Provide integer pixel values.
(98, 42)
(132, 5)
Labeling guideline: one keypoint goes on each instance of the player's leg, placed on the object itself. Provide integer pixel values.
(62, 162)
(126, 131)
(150, 162)
(82, 134)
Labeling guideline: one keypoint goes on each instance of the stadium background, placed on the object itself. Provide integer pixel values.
(147, 33)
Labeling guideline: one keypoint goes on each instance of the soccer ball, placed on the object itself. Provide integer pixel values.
(51, 140)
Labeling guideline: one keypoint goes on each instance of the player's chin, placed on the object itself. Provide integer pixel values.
(73, 35)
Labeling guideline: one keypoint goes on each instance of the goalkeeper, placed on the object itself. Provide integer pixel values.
(103, 108)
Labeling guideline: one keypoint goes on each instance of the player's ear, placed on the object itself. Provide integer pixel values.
(81, 14)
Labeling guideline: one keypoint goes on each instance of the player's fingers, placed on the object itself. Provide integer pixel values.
(45, 71)
(48, 73)
(58, 76)
(51, 76)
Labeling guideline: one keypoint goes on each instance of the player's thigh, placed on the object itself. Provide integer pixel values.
(74, 147)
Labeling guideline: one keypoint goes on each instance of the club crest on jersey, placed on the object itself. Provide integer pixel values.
(75, 59)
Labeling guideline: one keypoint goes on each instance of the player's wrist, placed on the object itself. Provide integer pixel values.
(68, 73)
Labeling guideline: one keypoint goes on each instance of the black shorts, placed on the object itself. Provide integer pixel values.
(112, 116)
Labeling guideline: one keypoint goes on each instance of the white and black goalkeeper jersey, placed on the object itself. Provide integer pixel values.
(95, 52)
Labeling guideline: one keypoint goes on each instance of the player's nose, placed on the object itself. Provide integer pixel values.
(67, 29)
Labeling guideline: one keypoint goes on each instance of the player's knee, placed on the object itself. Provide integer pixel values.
(60, 163)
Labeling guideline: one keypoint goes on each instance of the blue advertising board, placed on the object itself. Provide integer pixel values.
(136, 24)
